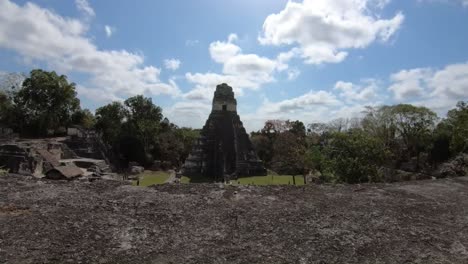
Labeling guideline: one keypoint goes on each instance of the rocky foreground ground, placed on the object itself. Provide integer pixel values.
(109, 222)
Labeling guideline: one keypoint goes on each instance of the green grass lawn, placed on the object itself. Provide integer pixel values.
(148, 178)
(185, 179)
(270, 180)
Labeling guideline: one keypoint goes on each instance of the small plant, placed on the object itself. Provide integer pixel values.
(3, 172)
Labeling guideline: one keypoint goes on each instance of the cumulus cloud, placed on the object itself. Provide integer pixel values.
(342, 100)
(205, 84)
(451, 81)
(42, 35)
(351, 92)
(307, 101)
(439, 89)
(222, 51)
(172, 64)
(408, 84)
(109, 30)
(97, 95)
(313, 106)
(325, 29)
(236, 63)
(189, 113)
(241, 71)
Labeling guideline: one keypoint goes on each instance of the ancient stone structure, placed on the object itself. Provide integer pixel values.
(224, 150)
(38, 156)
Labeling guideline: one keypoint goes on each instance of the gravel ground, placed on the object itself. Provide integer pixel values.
(110, 222)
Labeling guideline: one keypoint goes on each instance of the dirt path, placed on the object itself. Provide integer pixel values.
(108, 222)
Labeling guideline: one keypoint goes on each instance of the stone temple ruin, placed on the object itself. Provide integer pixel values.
(77, 155)
(223, 151)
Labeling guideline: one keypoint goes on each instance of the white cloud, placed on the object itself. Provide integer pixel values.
(84, 7)
(313, 106)
(251, 67)
(96, 95)
(205, 84)
(221, 51)
(241, 71)
(452, 81)
(342, 100)
(438, 89)
(408, 84)
(188, 114)
(351, 92)
(109, 30)
(304, 102)
(42, 35)
(324, 29)
(172, 64)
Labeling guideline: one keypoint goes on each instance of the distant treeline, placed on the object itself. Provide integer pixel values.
(388, 138)
(355, 150)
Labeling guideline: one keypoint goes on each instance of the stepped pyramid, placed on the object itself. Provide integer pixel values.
(223, 151)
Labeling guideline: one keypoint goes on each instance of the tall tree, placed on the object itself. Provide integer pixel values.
(143, 120)
(288, 157)
(379, 123)
(46, 101)
(414, 125)
(457, 124)
(109, 121)
(263, 146)
(187, 136)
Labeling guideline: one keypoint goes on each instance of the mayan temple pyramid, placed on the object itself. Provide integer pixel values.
(223, 151)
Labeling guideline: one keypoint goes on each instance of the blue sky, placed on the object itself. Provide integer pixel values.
(312, 60)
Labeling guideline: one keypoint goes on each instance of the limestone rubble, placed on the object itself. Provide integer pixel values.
(109, 222)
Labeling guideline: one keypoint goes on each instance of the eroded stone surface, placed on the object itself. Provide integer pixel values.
(109, 222)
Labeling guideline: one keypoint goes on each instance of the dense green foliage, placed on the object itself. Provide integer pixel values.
(45, 101)
(136, 130)
(109, 120)
(457, 125)
(354, 157)
(356, 150)
(83, 118)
